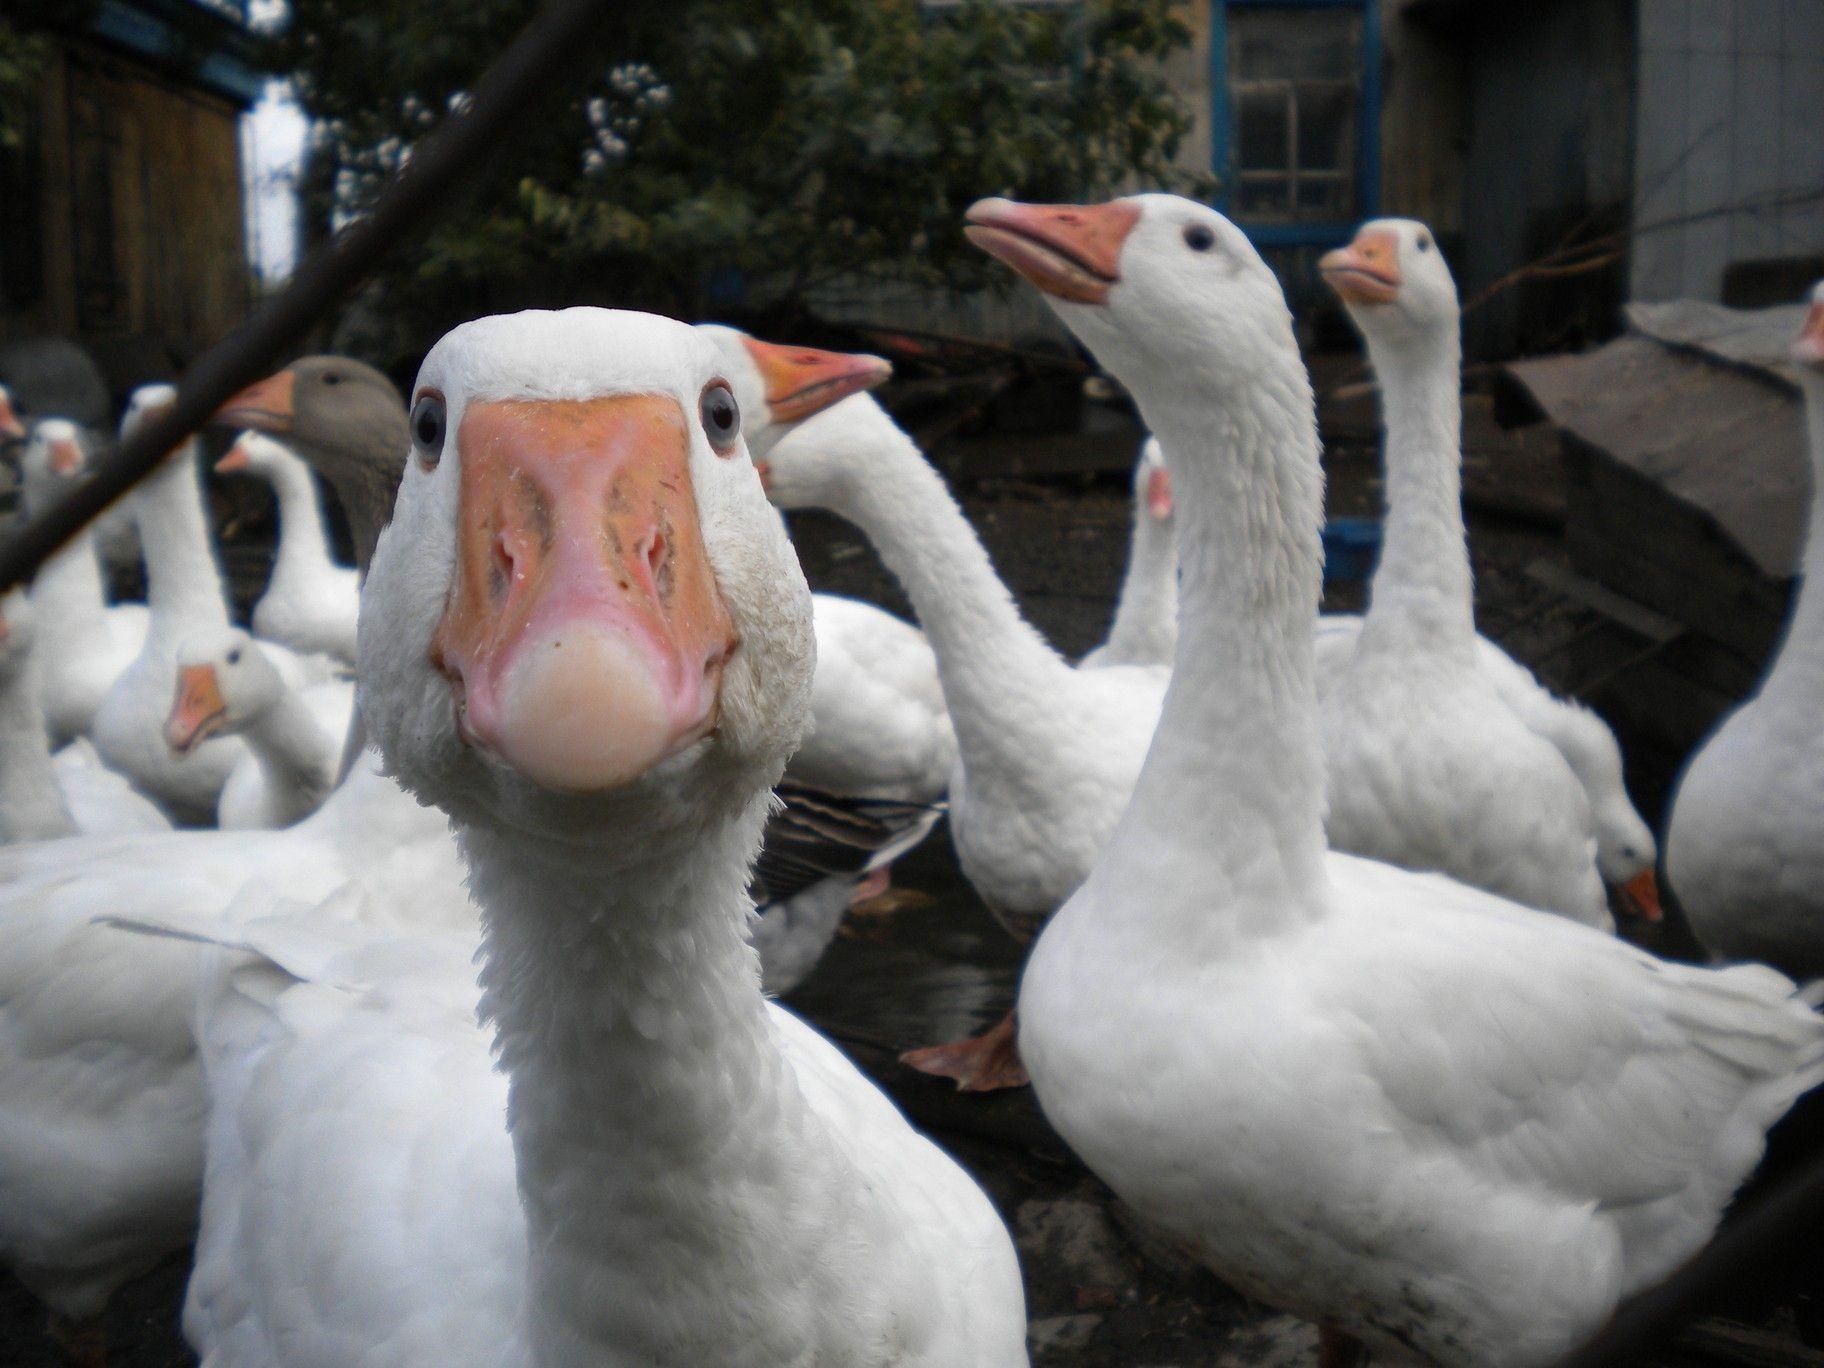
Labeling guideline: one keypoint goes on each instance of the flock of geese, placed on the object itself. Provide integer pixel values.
(1323, 980)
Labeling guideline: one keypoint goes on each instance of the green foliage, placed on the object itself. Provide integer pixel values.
(791, 143)
(22, 56)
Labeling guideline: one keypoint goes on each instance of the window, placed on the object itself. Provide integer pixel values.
(1295, 89)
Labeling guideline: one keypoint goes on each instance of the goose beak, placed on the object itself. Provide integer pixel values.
(1068, 251)
(584, 636)
(1367, 271)
(1640, 897)
(11, 429)
(236, 459)
(1808, 349)
(801, 381)
(66, 457)
(199, 712)
(264, 406)
(1159, 494)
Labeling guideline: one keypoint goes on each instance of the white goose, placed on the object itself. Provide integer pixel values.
(228, 686)
(310, 602)
(1048, 753)
(866, 785)
(184, 588)
(1428, 765)
(692, 1175)
(83, 644)
(43, 796)
(1145, 629)
(1745, 843)
(1396, 1105)
(101, 1145)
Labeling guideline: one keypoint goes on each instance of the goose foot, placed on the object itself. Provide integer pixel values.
(986, 1063)
(80, 1343)
(1338, 1350)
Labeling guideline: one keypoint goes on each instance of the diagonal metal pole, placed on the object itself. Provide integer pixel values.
(256, 348)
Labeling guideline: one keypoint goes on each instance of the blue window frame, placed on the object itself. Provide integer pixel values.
(1295, 117)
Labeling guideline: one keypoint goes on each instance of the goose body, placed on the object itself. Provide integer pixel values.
(1745, 840)
(310, 602)
(1428, 765)
(1451, 1126)
(84, 643)
(671, 1168)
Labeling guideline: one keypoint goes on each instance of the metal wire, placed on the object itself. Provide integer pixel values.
(256, 348)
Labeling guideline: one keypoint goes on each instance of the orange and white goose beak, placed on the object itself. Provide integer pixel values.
(1640, 897)
(264, 406)
(236, 459)
(11, 429)
(584, 636)
(1367, 271)
(1159, 494)
(199, 712)
(801, 381)
(65, 457)
(1808, 347)
(1069, 251)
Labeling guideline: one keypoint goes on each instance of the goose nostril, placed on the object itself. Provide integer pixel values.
(500, 568)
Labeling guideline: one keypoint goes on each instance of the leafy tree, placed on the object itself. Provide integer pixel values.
(780, 144)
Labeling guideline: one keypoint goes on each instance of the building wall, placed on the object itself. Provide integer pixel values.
(135, 212)
(1730, 165)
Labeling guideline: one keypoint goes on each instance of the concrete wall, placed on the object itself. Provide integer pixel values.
(1730, 163)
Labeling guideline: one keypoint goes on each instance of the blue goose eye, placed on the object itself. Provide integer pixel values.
(427, 429)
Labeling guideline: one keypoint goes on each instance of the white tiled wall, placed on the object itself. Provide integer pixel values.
(1729, 152)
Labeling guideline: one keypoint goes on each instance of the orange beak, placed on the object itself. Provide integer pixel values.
(1808, 348)
(584, 636)
(11, 429)
(801, 381)
(1367, 271)
(199, 712)
(1068, 251)
(1159, 494)
(264, 406)
(236, 459)
(1640, 897)
(66, 457)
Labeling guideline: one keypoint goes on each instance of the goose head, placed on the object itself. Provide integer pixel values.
(1393, 280)
(777, 386)
(253, 453)
(11, 429)
(1153, 484)
(583, 616)
(53, 458)
(224, 682)
(1145, 282)
(347, 421)
(1808, 347)
(145, 404)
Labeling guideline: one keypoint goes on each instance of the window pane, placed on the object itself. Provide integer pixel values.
(1262, 122)
(1264, 197)
(1325, 197)
(1326, 126)
(1295, 44)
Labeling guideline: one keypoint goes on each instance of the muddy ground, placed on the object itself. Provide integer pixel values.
(1102, 1291)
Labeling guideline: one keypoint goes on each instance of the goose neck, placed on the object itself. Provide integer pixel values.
(303, 543)
(183, 582)
(31, 802)
(68, 595)
(1231, 795)
(1422, 597)
(991, 661)
(1146, 612)
(649, 1103)
(293, 750)
(1798, 669)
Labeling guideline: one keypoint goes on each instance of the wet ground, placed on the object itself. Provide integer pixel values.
(1102, 1291)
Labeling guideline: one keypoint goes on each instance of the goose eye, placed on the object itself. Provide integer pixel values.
(427, 429)
(1199, 238)
(332, 377)
(1424, 244)
(721, 417)
(234, 656)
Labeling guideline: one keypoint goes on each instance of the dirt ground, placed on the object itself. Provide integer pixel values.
(1102, 1291)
